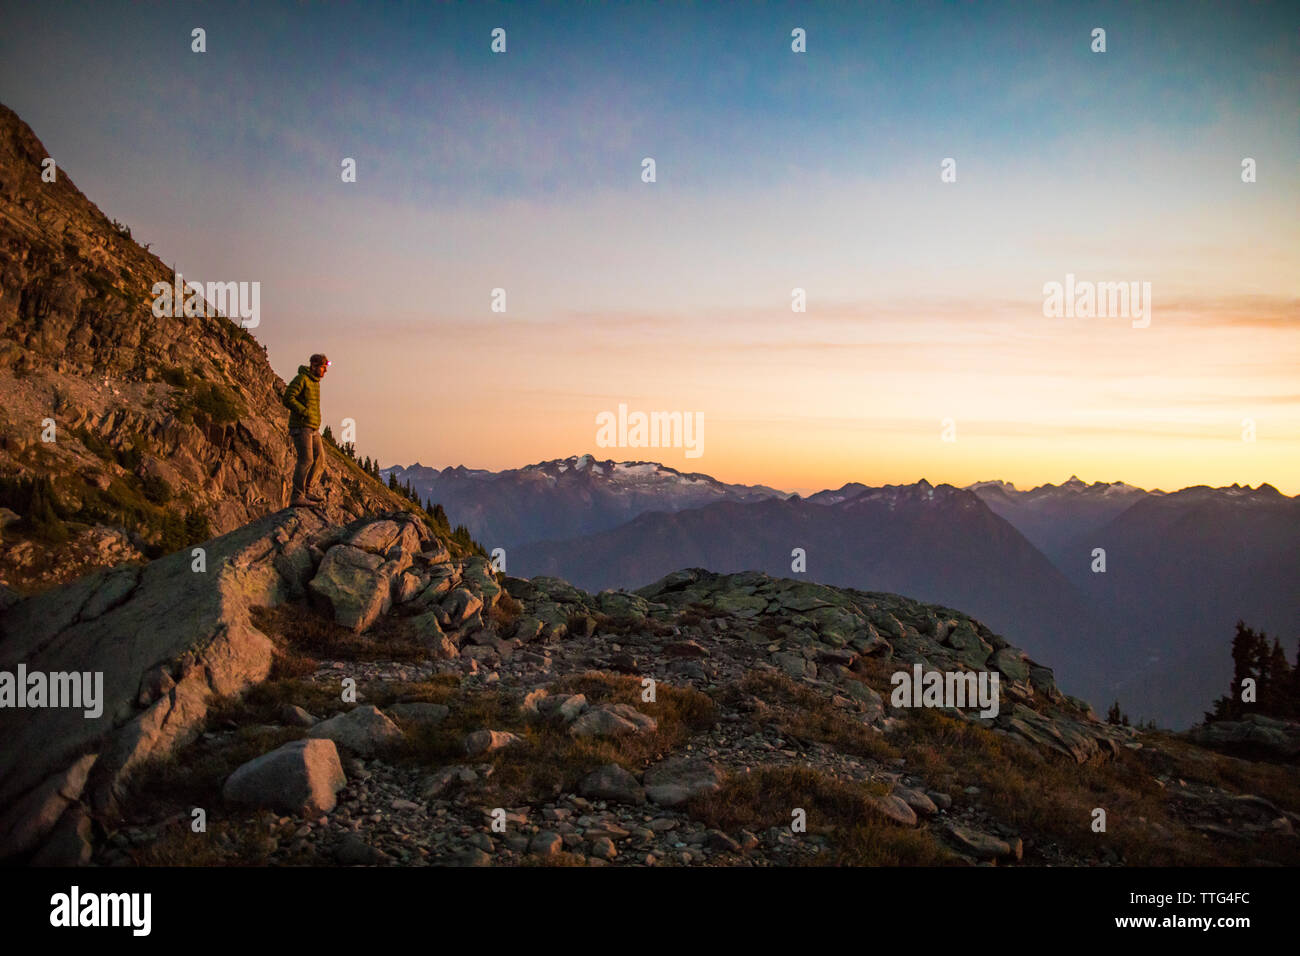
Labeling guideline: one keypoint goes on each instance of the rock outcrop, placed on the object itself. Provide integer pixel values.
(155, 419)
(1254, 734)
(167, 639)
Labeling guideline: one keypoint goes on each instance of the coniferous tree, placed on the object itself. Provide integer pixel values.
(1275, 683)
(1253, 658)
(196, 528)
(1294, 695)
(43, 518)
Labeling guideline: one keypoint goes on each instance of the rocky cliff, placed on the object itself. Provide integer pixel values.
(361, 693)
(162, 427)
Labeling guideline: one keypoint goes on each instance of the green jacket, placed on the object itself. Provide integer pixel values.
(302, 398)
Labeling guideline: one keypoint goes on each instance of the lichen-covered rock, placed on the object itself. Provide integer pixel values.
(460, 606)
(350, 581)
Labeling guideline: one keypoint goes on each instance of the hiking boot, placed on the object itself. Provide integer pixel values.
(301, 501)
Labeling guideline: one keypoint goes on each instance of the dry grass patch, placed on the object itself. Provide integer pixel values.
(504, 613)
(248, 842)
(858, 834)
(194, 776)
(799, 712)
(1050, 797)
(263, 703)
(299, 631)
(1175, 756)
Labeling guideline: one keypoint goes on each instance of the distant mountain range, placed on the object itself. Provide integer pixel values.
(1055, 517)
(565, 497)
(1152, 630)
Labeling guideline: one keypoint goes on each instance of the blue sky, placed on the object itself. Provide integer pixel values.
(775, 170)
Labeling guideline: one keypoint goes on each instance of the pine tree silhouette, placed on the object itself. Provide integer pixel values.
(1275, 682)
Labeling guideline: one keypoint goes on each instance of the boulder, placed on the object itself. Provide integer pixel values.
(674, 781)
(407, 586)
(545, 843)
(622, 605)
(1077, 739)
(351, 582)
(461, 605)
(895, 808)
(487, 741)
(354, 851)
(873, 702)
(972, 651)
(291, 715)
(381, 537)
(565, 707)
(1011, 662)
(739, 604)
(438, 586)
(794, 664)
(917, 800)
(982, 846)
(481, 579)
(363, 730)
(437, 783)
(612, 782)
(302, 777)
(612, 720)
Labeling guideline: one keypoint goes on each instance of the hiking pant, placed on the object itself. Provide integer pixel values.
(311, 458)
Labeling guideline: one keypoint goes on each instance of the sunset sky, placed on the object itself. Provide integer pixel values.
(775, 170)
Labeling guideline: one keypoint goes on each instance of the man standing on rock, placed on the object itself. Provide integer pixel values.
(303, 400)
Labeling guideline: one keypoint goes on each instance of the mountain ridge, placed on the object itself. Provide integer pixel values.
(164, 428)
